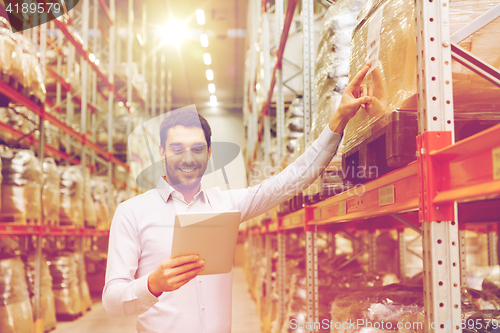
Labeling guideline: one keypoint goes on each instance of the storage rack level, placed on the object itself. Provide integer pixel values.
(446, 178)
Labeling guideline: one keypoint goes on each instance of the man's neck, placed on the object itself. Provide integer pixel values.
(187, 192)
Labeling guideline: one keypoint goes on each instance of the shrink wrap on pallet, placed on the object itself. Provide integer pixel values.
(19, 62)
(15, 309)
(100, 196)
(294, 129)
(332, 70)
(48, 310)
(51, 192)
(65, 285)
(89, 213)
(71, 190)
(397, 61)
(21, 187)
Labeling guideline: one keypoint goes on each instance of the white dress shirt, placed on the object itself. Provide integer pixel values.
(141, 237)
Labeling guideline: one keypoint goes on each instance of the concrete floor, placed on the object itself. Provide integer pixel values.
(245, 319)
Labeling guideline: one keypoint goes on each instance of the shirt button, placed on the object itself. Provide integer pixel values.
(200, 281)
(203, 308)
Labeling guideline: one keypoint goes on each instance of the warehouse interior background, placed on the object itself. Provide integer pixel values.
(402, 226)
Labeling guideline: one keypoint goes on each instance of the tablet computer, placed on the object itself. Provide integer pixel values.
(211, 235)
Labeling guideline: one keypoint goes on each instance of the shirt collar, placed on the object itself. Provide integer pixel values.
(165, 190)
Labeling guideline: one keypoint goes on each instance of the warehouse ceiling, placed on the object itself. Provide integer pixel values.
(225, 25)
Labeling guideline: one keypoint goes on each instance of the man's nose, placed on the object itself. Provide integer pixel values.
(187, 156)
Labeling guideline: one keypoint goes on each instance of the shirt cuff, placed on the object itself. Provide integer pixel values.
(329, 140)
(142, 292)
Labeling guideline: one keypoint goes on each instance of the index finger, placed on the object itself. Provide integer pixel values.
(181, 260)
(356, 81)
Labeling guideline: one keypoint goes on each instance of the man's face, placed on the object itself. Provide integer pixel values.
(186, 156)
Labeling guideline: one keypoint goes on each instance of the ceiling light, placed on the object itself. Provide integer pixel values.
(92, 57)
(207, 59)
(210, 74)
(213, 99)
(174, 32)
(200, 16)
(139, 38)
(204, 40)
(257, 86)
(97, 62)
(211, 88)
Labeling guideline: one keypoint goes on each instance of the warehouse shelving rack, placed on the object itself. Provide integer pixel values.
(444, 174)
(81, 148)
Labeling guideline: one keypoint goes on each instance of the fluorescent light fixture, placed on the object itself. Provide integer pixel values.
(210, 74)
(200, 16)
(97, 62)
(211, 88)
(139, 38)
(204, 40)
(213, 99)
(257, 86)
(92, 57)
(173, 33)
(207, 59)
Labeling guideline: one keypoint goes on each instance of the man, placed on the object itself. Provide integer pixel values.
(141, 277)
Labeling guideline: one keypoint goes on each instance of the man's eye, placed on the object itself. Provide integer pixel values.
(178, 151)
(198, 150)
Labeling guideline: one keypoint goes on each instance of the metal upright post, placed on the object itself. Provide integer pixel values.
(169, 90)
(144, 55)
(281, 275)
(372, 251)
(308, 64)
(111, 79)
(153, 79)
(280, 99)
(130, 41)
(162, 84)
(97, 53)
(269, 267)
(402, 254)
(492, 245)
(312, 278)
(463, 262)
(41, 143)
(436, 127)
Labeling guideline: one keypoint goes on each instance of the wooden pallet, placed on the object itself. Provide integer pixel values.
(392, 143)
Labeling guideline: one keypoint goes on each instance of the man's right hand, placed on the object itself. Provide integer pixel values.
(173, 273)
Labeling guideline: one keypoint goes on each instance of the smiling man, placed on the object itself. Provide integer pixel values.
(167, 293)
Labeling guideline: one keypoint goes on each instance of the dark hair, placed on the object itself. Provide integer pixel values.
(188, 118)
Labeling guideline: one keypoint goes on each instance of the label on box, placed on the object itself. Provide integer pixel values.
(386, 195)
(496, 163)
(373, 37)
(342, 208)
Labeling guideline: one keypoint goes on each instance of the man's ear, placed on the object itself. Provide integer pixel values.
(209, 152)
(162, 153)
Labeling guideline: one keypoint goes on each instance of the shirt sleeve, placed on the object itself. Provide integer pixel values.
(258, 199)
(124, 295)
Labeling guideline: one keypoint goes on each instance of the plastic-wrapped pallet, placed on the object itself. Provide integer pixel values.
(48, 310)
(89, 213)
(51, 192)
(15, 308)
(332, 70)
(397, 61)
(21, 187)
(71, 189)
(82, 283)
(294, 129)
(100, 192)
(65, 285)
(21, 62)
